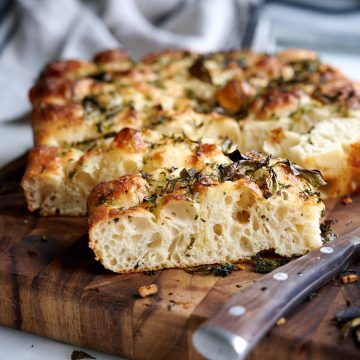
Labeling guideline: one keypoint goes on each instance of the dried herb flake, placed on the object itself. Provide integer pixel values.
(327, 233)
(222, 270)
(264, 265)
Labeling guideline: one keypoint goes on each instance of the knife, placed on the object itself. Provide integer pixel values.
(247, 316)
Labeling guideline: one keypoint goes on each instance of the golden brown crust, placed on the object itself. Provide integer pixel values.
(130, 140)
(266, 66)
(277, 135)
(251, 185)
(42, 159)
(56, 120)
(43, 163)
(108, 193)
(345, 92)
(62, 91)
(273, 103)
(235, 94)
(173, 197)
(173, 54)
(111, 56)
(205, 154)
(117, 60)
(292, 55)
(51, 90)
(68, 69)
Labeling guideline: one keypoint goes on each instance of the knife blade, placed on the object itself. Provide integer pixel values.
(247, 316)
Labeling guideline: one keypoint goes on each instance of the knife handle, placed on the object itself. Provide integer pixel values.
(246, 317)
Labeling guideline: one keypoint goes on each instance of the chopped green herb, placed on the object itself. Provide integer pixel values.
(192, 240)
(327, 233)
(259, 169)
(264, 265)
(314, 177)
(151, 199)
(91, 106)
(216, 270)
(190, 93)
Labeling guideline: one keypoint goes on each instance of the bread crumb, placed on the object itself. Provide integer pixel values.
(349, 278)
(281, 321)
(346, 200)
(148, 290)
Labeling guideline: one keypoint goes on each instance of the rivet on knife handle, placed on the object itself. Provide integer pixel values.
(246, 317)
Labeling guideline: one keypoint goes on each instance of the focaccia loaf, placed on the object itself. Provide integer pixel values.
(188, 217)
(287, 104)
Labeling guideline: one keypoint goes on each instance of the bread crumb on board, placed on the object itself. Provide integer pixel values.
(148, 290)
(281, 321)
(346, 200)
(349, 278)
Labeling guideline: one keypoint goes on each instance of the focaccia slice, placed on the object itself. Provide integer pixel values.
(222, 213)
(59, 180)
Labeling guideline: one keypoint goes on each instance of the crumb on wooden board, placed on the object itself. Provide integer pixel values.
(346, 200)
(148, 290)
(349, 278)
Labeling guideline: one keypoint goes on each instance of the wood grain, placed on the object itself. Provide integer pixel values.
(52, 286)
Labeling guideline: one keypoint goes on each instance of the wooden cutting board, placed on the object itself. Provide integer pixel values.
(52, 286)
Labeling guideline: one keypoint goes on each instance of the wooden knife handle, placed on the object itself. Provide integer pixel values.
(246, 317)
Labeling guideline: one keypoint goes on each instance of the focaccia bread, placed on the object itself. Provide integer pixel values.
(288, 104)
(188, 217)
